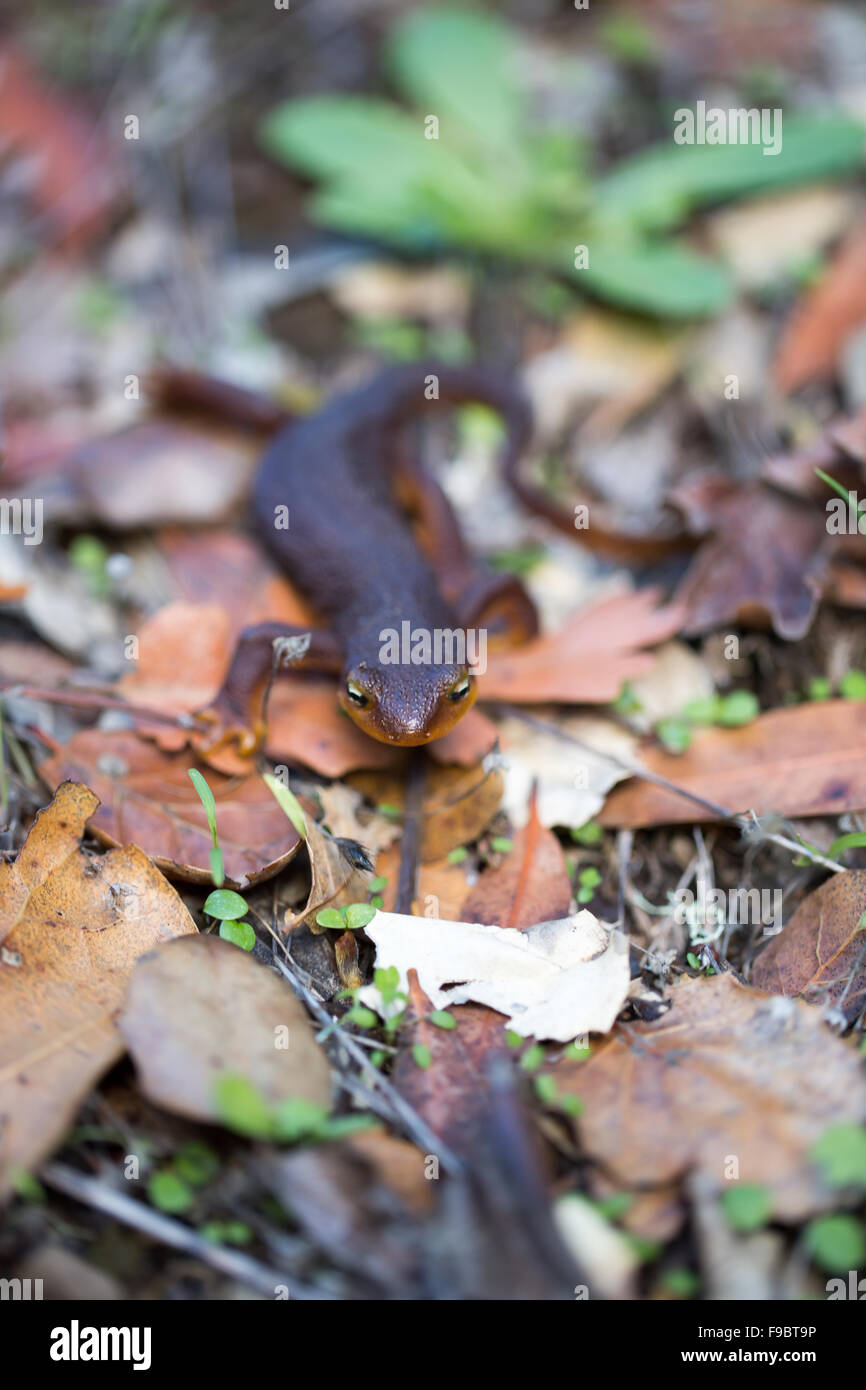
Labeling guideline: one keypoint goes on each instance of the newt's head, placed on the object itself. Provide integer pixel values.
(407, 705)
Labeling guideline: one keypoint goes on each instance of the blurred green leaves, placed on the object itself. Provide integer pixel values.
(492, 182)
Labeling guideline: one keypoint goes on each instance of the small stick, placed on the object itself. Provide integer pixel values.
(99, 1195)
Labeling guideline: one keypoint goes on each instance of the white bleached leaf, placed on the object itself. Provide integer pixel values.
(554, 980)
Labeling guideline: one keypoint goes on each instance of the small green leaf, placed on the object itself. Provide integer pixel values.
(747, 1206)
(361, 1016)
(458, 64)
(168, 1191)
(422, 1056)
(589, 834)
(856, 840)
(819, 689)
(298, 1118)
(358, 915)
(288, 803)
(501, 844)
(330, 917)
(532, 1057)
(443, 1019)
(659, 278)
(196, 1163)
(841, 1155)
(242, 1107)
(239, 934)
(26, 1185)
(852, 686)
(458, 855)
(377, 884)
(217, 869)
(226, 1232)
(737, 708)
(674, 734)
(206, 798)
(225, 904)
(545, 1088)
(836, 1242)
(682, 1283)
(702, 711)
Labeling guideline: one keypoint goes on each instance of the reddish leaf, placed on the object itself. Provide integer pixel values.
(821, 953)
(806, 761)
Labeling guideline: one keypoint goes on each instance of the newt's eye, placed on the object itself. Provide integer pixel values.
(356, 695)
(460, 691)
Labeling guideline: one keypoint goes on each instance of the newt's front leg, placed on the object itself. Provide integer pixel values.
(237, 715)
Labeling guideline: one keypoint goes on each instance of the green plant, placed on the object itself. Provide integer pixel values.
(588, 880)
(841, 1155)
(243, 1108)
(836, 1242)
(467, 166)
(217, 871)
(747, 1206)
(729, 711)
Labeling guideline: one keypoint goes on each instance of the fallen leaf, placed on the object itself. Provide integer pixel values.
(815, 334)
(821, 951)
(770, 237)
(552, 980)
(348, 818)
(762, 566)
(440, 886)
(335, 879)
(459, 803)
(570, 760)
(71, 928)
(183, 653)
(157, 472)
(147, 797)
(73, 176)
(726, 1072)
(805, 761)
(203, 1008)
(530, 885)
(588, 659)
(233, 570)
(678, 677)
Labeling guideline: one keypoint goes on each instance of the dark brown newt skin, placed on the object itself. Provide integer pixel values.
(336, 478)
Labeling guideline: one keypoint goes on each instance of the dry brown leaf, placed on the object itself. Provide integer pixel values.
(530, 885)
(75, 179)
(440, 887)
(450, 1094)
(459, 803)
(821, 952)
(335, 880)
(148, 798)
(200, 1008)
(727, 1073)
(71, 928)
(160, 472)
(762, 566)
(588, 659)
(805, 761)
(815, 334)
(233, 570)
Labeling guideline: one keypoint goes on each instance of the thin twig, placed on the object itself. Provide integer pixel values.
(101, 1196)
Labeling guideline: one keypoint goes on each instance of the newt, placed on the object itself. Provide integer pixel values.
(370, 539)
